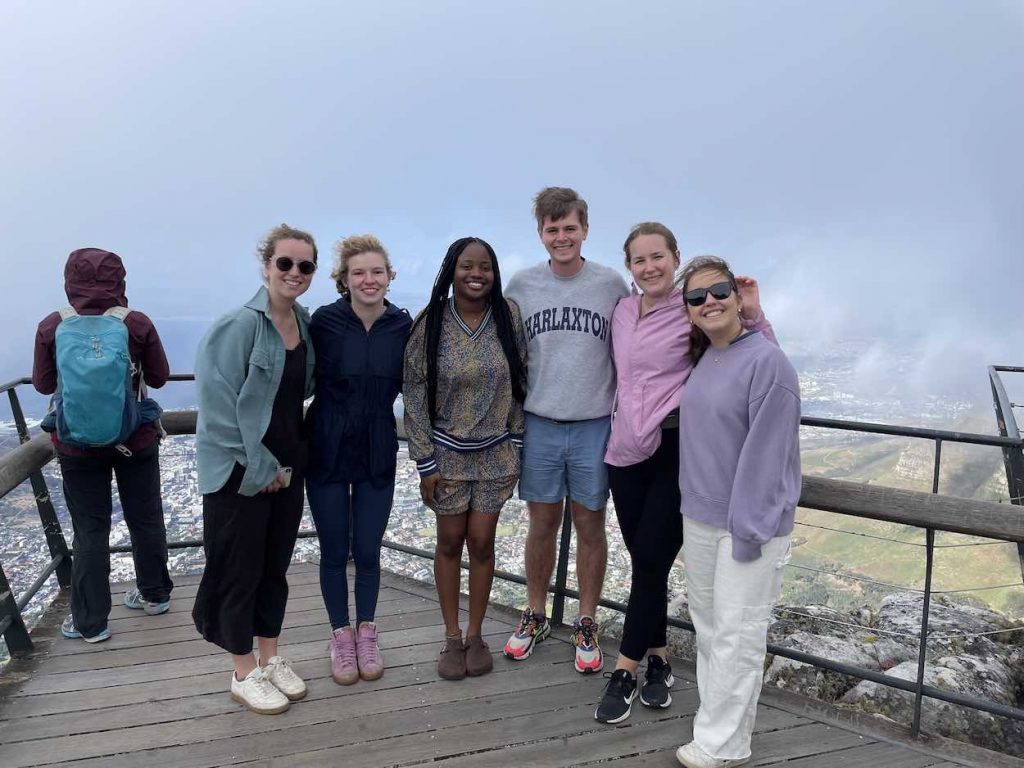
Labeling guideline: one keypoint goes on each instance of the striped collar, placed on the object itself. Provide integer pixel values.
(473, 335)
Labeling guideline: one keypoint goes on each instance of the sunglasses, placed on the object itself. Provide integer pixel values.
(285, 264)
(698, 296)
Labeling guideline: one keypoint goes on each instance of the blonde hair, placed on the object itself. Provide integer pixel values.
(354, 245)
(282, 232)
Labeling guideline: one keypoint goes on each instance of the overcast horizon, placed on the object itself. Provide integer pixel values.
(863, 160)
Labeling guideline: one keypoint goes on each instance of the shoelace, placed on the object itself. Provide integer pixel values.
(616, 685)
(369, 650)
(262, 683)
(586, 632)
(347, 651)
(524, 623)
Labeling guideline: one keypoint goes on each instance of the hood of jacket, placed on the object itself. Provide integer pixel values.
(94, 281)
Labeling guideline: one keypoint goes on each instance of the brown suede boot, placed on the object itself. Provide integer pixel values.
(478, 657)
(451, 664)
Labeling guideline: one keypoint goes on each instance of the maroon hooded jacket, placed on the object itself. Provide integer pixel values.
(94, 282)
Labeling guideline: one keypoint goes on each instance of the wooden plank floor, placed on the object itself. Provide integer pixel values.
(156, 694)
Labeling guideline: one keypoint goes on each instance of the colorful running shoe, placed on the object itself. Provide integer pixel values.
(589, 658)
(533, 627)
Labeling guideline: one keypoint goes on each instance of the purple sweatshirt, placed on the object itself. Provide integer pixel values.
(739, 445)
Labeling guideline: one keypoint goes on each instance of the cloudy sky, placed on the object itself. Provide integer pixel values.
(863, 159)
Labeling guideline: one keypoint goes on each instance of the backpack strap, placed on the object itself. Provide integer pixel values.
(119, 312)
(67, 312)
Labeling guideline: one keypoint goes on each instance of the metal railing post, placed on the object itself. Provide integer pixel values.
(562, 568)
(922, 649)
(55, 540)
(15, 633)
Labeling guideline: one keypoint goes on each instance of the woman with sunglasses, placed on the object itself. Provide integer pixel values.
(359, 342)
(739, 475)
(254, 369)
(465, 382)
(651, 347)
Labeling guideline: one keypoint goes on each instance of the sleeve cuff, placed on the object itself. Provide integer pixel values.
(745, 550)
(517, 440)
(427, 466)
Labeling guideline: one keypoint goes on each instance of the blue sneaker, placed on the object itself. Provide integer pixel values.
(67, 628)
(134, 599)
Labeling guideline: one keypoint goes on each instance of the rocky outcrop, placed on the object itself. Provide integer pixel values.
(972, 650)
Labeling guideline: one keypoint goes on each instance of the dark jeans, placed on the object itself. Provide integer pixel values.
(350, 517)
(89, 499)
(248, 542)
(647, 504)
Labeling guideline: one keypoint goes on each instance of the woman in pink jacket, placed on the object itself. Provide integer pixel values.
(651, 347)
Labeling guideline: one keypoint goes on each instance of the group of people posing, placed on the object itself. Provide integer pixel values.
(673, 397)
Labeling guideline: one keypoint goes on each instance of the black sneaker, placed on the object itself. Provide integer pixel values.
(617, 701)
(658, 682)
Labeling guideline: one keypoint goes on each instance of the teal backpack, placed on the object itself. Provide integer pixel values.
(95, 404)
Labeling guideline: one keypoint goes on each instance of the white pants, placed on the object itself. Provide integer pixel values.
(731, 607)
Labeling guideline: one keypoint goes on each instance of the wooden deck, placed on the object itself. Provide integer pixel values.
(155, 694)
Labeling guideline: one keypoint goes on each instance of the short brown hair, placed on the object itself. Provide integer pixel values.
(353, 245)
(650, 228)
(282, 232)
(557, 203)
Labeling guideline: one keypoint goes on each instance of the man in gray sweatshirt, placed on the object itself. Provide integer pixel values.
(566, 305)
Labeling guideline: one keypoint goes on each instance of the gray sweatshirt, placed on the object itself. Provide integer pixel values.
(568, 331)
(739, 445)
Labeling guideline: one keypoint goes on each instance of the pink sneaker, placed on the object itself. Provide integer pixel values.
(343, 656)
(371, 665)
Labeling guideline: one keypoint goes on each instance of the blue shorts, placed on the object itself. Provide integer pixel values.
(563, 457)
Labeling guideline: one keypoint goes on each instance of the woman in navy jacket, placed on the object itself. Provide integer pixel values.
(359, 342)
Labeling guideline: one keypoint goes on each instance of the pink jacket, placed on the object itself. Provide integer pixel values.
(652, 363)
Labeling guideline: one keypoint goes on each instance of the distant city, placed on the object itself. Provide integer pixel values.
(826, 566)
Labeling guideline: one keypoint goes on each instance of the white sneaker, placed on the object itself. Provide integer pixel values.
(692, 756)
(279, 670)
(258, 694)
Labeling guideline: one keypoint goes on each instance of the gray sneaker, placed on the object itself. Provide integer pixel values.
(133, 599)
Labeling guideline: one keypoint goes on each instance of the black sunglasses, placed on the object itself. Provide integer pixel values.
(698, 296)
(285, 264)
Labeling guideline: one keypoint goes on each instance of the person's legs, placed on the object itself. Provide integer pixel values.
(272, 592)
(541, 540)
(588, 486)
(451, 539)
(330, 504)
(480, 529)
(371, 509)
(88, 496)
(629, 492)
(742, 596)
(138, 485)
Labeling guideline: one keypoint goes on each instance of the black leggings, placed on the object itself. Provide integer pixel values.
(647, 504)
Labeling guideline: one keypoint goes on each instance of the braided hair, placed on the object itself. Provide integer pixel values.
(503, 323)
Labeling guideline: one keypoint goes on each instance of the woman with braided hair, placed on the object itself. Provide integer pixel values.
(465, 382)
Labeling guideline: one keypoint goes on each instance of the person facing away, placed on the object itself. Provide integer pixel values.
(464, 391)
(94, 281)
(566, 305)
(254, 369)
(359, 342)
(651, 349)
(739, 476)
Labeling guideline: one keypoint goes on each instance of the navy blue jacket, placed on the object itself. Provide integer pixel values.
(358, 378)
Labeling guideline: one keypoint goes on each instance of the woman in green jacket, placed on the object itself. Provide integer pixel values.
(254, 369)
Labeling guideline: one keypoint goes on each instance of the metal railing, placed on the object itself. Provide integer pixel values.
(931, 512)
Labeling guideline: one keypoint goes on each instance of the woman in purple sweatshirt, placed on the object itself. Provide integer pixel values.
(739, 476)
(651, 348)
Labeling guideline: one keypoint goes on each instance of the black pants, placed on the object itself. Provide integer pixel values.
(248, 542)
(647, 504)
(89, 499)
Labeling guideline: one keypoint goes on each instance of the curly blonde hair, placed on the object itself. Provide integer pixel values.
(354, 245)
(282, 232)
